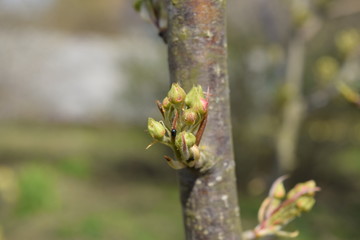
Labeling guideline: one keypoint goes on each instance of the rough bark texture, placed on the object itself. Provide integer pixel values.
(197, 55)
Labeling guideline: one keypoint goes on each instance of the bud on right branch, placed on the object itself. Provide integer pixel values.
(279, 208)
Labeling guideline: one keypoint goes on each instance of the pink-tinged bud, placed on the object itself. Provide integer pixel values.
(205, 104)
(189, 117)
(176, 94)
(309, 187)
(166, 103)
(200, 106)
(156, 129)
(295, 190)
(184, 139)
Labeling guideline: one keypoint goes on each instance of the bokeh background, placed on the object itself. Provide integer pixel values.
(78, 79)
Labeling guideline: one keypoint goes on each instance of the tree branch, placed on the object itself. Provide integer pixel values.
(197, 55)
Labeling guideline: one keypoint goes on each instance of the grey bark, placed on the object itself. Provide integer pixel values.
(197, 47)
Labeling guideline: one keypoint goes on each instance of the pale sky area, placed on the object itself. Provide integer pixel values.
(25, 5)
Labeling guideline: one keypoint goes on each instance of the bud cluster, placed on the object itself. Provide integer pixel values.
(279, 208)
(184, 120)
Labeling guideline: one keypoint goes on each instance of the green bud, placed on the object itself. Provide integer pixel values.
(166, 103)
(305, 203)
(298, 187)
(189, 117)
(310, 185)
(193, 95)
(279, 191)
(176, 94)
(156, 129)
(184, 138)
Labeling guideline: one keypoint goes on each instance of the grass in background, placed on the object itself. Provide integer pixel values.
(94, 183)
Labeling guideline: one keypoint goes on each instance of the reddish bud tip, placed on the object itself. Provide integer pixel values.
(176, 94)
(189, 117)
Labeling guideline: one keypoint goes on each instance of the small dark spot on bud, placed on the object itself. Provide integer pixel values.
(190, 159)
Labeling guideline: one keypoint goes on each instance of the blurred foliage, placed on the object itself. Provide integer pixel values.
(37, 190)
(76, 166)
(8, 185)
(326, 68)
(95, 181)
(90, 227)
(347, 41)
(347, 162)
(112, 196)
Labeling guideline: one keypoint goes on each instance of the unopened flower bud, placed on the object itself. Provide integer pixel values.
(279, 191)
(200, 106)
(193, 95)
(205, 104)
(298, 187)
(176, 94)
(166, 103)
(189, 117)
(310, 184)
(305, 203)
(195, 152)
(308, 187)
(156, 129)
(184, 139)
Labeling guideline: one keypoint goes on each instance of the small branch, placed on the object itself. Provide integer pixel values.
(275, 213)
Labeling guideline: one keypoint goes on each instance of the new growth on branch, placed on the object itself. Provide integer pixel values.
(184, 120)
(280, 208)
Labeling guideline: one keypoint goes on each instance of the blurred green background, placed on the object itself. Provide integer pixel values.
(78, 80)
